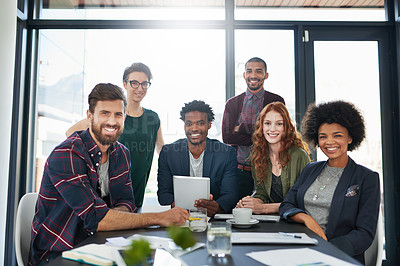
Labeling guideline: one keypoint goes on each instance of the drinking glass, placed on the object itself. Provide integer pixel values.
(219, 241)
(198, 220)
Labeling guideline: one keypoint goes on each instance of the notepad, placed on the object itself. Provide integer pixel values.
(188, 189)
(296, 257)
(94, 254)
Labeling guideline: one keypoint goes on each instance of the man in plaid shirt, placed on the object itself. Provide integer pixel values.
(240, 115)
(86, 185)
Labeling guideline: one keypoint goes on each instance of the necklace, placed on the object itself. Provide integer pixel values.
(332, 176)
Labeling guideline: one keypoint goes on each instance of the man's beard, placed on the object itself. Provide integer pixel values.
(259, 86)
(103, 139)
(196, 143)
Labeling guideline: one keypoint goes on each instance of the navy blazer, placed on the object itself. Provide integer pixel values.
(219, 164)
(354, 209)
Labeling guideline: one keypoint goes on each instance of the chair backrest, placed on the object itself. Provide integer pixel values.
(373, 255)
(23, 225)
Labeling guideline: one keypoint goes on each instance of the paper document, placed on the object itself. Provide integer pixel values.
(296, 257)
(118, 241)
(161, 258)
(273, 238)
(167, 244)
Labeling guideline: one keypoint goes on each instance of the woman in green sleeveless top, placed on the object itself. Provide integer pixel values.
(142, 130)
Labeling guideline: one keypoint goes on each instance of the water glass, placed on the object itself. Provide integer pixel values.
(198, 220)
(219, 241)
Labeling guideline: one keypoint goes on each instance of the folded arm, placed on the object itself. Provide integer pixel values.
(232, 133)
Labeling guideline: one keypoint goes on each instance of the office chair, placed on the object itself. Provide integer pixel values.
(373, 255)
(23, 225)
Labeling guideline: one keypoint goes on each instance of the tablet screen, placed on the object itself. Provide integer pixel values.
(187, 189)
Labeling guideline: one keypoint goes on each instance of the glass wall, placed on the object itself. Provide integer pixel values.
(289, 10)
(133, 10)
(276, 47)
(185, 65)
(312, 10)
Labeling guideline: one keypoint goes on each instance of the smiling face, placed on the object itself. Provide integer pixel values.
(106, 122)
(333, 140)
(255, 75)
(273, 128)
(196, 127)
(136, 95)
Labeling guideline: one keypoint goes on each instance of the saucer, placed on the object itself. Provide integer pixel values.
(243, 225)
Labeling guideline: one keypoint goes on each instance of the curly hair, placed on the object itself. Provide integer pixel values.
(339, 112)
(260, 152)
(198, 105)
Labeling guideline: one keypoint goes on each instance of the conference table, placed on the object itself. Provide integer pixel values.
(238, 255)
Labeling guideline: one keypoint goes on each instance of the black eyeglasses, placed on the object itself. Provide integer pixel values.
(135, 84)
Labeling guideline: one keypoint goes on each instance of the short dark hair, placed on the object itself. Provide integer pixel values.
(105, 92)
(340, 112)
(137, 67)
(200, 106)
(258, 60)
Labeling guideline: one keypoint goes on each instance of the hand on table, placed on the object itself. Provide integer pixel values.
(310, 223)
(211, 205)
(174, 216)
(253, 203)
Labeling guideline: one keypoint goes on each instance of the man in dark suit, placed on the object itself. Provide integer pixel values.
(197, 156)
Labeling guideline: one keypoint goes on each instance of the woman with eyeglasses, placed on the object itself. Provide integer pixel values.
(278, 155)
(338, 199)
(142, 130)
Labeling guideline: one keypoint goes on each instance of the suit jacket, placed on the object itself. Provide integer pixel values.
(219, 164)
(354, 208)
(233, 108)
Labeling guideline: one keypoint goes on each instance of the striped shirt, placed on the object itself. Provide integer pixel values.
(252, 106)
(69, 207)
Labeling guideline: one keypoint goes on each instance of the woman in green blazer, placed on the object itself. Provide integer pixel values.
(278, 156)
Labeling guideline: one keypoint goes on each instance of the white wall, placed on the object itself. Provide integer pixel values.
(8, 14)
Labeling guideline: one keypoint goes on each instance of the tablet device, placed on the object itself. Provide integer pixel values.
(187, 189)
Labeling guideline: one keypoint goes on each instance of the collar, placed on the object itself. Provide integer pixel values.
(258, 95)
(92, 148)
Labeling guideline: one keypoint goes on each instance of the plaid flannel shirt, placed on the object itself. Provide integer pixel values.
(69, 207)
(252, 106)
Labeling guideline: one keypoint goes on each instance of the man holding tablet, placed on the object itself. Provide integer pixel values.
(199, 156)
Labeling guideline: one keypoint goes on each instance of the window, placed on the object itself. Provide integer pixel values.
(133, 10)
(185, 64)
(276, 48)
(334, 10)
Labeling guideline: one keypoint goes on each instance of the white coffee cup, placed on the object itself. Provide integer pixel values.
(242, 215)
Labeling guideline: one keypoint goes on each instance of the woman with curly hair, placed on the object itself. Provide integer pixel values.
(337, 199)
(278, 155)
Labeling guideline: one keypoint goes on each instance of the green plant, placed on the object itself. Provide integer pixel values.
(138, 253)
(182, 236)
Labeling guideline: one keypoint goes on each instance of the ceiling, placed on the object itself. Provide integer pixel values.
(213, 3)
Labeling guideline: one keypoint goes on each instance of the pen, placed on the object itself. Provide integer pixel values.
(291, 235)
